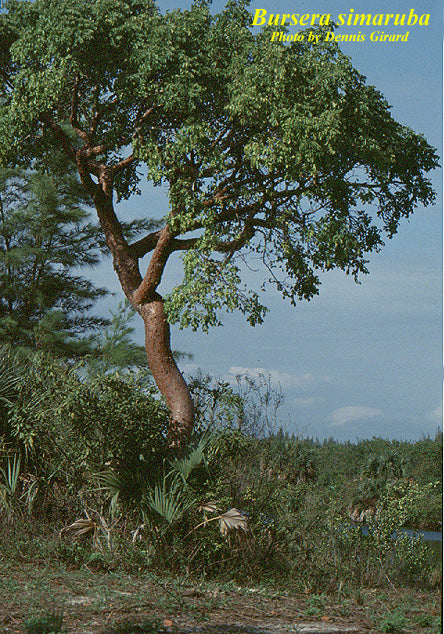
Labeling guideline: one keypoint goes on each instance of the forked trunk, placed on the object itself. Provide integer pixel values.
(149, 304)
(141, 292)
(166, 374)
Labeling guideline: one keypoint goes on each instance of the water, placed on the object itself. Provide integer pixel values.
(428, 536)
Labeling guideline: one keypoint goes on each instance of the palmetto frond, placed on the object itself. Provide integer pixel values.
(80, 527)
(170, 501)
(9, 377)
(209, 507)
(232, 520)
(110, 481)
(184, 466)
(11, 476)
(229, 521)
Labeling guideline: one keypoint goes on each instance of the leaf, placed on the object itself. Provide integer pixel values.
(110, 481)
(186, 465)
(232, 520)
(80, 527)
(170, 502)
(209, 507)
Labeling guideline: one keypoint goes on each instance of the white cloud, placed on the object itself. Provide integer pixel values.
(305, 402)
(284, 379)
(190, 368)
(437, 415)
(350, 414)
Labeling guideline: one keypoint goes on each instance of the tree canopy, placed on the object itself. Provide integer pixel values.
(278, 152)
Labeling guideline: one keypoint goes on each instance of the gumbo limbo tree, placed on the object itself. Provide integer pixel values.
(282, 153)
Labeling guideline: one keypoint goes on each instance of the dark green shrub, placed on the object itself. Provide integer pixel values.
(118, 421)
(67, 426)
(51, 623)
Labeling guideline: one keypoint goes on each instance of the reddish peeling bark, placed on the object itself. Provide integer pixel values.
(168, 378)
(141, 292)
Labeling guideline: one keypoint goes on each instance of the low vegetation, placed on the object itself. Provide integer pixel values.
(88, 483)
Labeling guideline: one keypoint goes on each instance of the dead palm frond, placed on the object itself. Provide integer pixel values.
(137, 535)
(229, 521)
(80, 527)
(209, 507)
(86, 525)
(232, 520)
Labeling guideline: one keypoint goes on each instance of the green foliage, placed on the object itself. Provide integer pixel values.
(9, 485)
(278, 152)
(67, 425)
(44, 236)
(119, 422)
(194, 458)
(77, 452)
(115, 348)
(425, 459)
(168, 500)
(394, 622)
(51, 623)
(316, 604)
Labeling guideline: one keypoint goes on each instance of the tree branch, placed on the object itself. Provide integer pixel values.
(137, 131)
(183, 245)
(74, 112)
(145, 245)
(62, 137)
(155, 268)
(237, 243)
(105, 147)
(123, 163)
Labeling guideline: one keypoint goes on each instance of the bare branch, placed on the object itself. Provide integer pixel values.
(145, 245)
(155, 268)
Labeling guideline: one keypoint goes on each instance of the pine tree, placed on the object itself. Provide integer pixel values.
(115, 348)
(45, 238)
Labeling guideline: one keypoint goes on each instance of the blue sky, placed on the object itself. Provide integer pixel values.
(359, 360)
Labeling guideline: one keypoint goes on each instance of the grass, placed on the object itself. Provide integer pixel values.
(118, 603)
(146, 626)
(51, 623)
(393, 622)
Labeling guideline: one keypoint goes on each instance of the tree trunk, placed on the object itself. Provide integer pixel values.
(166, 374)
(149, 304)
(141, 292)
